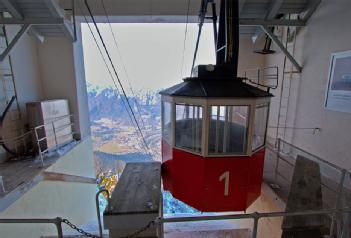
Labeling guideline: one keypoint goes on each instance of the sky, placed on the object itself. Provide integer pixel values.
(149, 55)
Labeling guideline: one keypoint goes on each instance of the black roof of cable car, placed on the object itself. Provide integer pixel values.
(219, 88)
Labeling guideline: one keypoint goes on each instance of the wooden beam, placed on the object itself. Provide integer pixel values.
(12, 8)
(52, 176)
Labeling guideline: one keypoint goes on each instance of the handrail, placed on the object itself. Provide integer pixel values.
(53, 121)
(56, 221)
(255, 216)
(263, 76)
(98, 207)
(310, 154)
(53, 133)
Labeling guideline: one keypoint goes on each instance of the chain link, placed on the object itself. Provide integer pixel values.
(81, 231)
(87, 234)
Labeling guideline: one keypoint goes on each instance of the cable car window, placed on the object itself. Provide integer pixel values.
(228, 129)
(167, 121)
(260, 126)
(188, 129)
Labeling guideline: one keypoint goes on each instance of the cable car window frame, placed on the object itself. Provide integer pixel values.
(169, 138)
(247, 135)
(260, 105)
(200, 131)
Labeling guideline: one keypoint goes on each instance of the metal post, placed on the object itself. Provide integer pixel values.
(39, 148)
(54, 131)
(277, 163)
(255, 226)
(74, 20)
(214, 19)
(338, 201)
(58, 224)
(98, 207)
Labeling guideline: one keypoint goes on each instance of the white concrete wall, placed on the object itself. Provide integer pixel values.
(247, 58)
(26, 69)
(48, 199)
(327, 32)
(63, 77)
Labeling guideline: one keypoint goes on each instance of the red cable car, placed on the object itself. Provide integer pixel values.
(213, 133)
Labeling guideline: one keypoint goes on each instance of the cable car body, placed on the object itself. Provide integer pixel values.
(213, 143)
(214, 127)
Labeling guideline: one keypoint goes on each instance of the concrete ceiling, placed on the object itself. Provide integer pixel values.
(176, 10)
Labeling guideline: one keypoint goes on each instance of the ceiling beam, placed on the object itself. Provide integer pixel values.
(58, 12)
(36, 34)
(61, 21)
(241, 5)
(311, 9)
(274, 9)
(271, 14)
(12, 8)
(281, 46)
(272, 22)
(32, 21)
(13, 42)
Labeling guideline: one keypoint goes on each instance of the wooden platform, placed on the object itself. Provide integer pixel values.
(135, 201)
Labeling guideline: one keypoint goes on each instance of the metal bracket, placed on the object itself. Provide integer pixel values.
(19, 34)
(282, 47)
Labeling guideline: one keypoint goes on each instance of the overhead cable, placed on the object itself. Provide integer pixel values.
(122, 63)
(185, 37)
(115, 72)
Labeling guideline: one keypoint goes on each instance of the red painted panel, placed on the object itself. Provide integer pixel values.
(200, 182)
(236, 169)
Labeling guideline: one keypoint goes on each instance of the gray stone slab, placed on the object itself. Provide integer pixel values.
(305, 194)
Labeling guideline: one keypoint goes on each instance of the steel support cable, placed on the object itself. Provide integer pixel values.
(116, 74)
(185, 37)
(202, 20)
(110, 73)
(108, 69)
(106, 65)
(122, 62)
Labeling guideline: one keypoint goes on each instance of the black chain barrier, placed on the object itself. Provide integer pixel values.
(87, 234)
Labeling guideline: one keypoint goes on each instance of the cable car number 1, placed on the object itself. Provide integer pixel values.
(225, 177)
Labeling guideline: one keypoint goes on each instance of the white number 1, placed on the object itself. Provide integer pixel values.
(225, 176)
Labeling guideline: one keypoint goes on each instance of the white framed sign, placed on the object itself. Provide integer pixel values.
(338, 93)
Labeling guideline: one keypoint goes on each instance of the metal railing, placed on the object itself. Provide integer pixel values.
(333, 177)
(255, 217)
(55, 221)
(262, 76)
(51, 131)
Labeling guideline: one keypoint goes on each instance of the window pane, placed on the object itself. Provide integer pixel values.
(260, 126)
(188, 127)
(228, 129)
(167, 121)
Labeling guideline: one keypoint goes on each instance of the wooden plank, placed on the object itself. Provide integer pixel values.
(51, 176)
(138, 190)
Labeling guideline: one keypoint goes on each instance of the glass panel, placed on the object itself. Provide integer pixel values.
(228, 129)
(260, 126)
(188, 127)
(167, 121)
